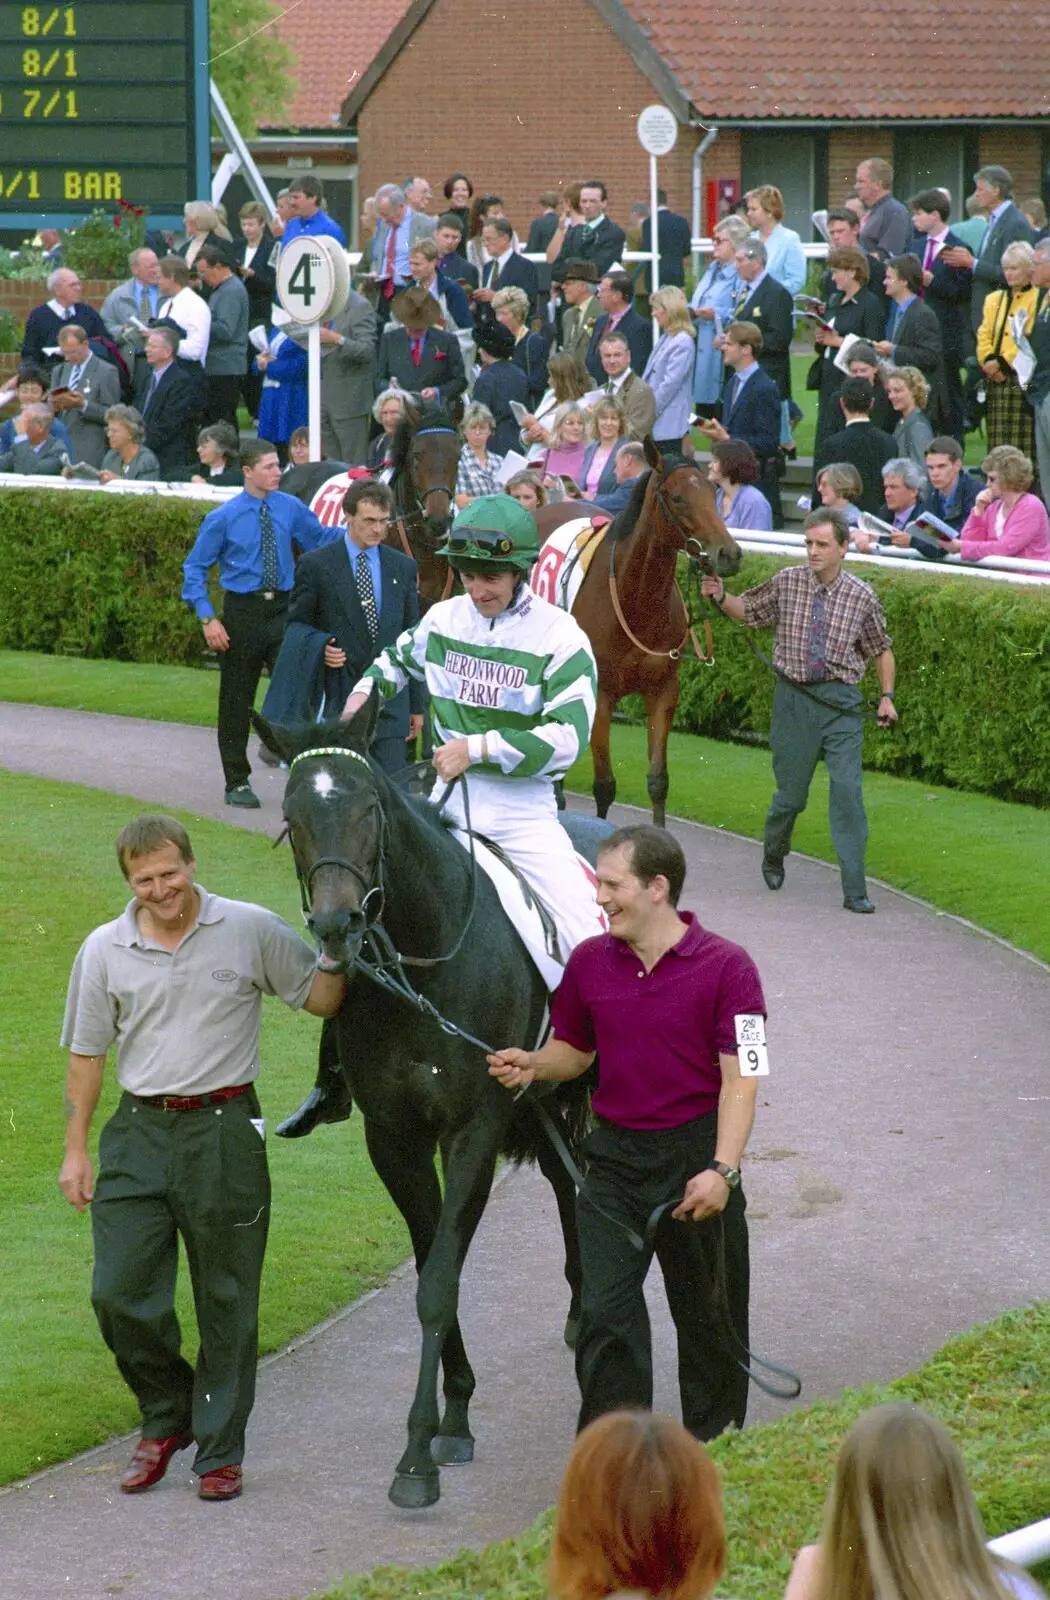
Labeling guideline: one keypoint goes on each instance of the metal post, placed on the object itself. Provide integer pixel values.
(654, 242)
(313, 387)
(236, 145)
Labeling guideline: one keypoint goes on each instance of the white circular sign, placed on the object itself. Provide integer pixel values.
(657, 130)
(313, 278)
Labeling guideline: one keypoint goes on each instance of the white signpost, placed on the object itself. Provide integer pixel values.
(657, 135)
(313, 285)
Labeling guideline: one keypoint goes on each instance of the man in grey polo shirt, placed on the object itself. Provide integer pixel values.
(177, 984)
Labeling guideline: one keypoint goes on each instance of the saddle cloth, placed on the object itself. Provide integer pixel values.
(565, 558)
(327, 503)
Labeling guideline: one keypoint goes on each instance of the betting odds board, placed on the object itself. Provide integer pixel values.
(102, 101)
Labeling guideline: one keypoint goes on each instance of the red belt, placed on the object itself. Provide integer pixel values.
(190, 1102)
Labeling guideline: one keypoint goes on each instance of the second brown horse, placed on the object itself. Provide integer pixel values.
(671, 511)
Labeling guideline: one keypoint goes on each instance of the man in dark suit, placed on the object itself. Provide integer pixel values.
(766, 303)
(44, 321)
(35, 452)
(674, 240)
(83, 389)
(750, 407)
(166, 399)
(507, 269)
(947, 291)
(1007, 223)
(616, 298)
(361, 595)
(844, 234)
(545, 226)
(595, 238)
(913, 334)
(422, 356)
(448, 236)
(858, 442)
(499, 382)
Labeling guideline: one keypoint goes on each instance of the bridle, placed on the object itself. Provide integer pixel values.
(420, 496)
(699, 563)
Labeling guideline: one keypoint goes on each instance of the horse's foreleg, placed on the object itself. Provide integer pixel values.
(604, 788)
(549, 1163)
(659, 712)
(470, 1168)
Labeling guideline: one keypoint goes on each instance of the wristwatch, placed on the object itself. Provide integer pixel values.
(730, 1174)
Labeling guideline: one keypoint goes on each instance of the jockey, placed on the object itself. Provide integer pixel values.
(512, 684)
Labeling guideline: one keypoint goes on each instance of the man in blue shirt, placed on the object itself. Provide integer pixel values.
(250, 537)
(306, 196)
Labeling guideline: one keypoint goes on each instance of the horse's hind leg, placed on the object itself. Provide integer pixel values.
(550, 1165)
(471, 1165)
(604, 788)
(659, 712)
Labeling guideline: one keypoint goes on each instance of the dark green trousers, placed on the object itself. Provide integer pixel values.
(202, 1174)
(801, 732)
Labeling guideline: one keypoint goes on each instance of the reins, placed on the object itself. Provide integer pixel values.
(703, 562)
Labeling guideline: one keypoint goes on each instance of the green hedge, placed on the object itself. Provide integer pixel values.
(98, 575)
(973, 682)
(101, 576)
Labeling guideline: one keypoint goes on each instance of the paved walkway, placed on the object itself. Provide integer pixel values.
(896, 1188)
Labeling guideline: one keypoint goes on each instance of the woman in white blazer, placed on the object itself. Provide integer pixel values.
(669, 370)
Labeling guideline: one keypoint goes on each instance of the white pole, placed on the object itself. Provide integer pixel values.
(313, 386)
(654, 242)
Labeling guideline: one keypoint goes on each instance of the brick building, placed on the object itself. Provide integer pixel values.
(530, 98)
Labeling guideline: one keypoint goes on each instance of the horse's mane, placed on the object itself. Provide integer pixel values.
(623, 523)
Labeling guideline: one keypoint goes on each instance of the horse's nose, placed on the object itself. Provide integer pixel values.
(336, 926)
(727, 559)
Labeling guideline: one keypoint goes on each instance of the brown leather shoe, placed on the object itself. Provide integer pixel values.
(150, 1461)
(222, 1484)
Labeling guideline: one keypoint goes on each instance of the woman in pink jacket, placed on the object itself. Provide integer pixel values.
(1006, 520)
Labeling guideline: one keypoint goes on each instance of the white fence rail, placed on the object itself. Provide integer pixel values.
(1025, 1546)
(992, 569)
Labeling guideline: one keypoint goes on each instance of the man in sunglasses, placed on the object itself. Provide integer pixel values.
(512, 684)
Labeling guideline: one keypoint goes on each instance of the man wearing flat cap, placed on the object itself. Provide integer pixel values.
(499, 382)
(582, 307)
(419, 355)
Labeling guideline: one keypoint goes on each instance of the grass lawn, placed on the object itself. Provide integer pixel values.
(986, 1386)
(334, 1232)
(923, 838)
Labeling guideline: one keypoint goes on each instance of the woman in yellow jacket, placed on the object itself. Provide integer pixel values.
(1009, 416)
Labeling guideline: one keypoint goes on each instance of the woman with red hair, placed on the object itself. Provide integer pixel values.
(639, 1513)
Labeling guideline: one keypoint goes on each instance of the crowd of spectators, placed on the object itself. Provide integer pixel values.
(922, 332)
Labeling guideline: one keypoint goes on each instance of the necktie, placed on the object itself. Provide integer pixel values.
(151, 391)
(74, 377)
(269, 547)
(741, 296)
(366, 594)
(734, 394)
(610, 387)
(494, 280)
(417, 349)
(817, 643)
(927, 265)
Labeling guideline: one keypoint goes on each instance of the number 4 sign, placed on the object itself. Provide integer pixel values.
(751, 1045)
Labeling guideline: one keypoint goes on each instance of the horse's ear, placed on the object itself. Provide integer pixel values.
(652, 454)
(361, 726)
(274, 737)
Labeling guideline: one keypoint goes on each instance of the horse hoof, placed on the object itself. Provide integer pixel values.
(450, 1450)
(412, 1491)
(572, 1330)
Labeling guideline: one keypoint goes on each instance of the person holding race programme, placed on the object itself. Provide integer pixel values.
(512, 684)
(666, 1005)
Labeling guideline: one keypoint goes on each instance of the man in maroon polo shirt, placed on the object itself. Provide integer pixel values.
(657, 1000)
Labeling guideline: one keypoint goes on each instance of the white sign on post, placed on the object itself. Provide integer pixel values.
(657, 135)
(313, 285)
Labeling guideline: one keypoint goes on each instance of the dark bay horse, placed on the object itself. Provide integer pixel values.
(671, 510)
(425, 454)
(381, 875)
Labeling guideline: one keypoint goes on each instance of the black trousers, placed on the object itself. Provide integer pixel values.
(629, 1173)
(223, 395)
(256, 628)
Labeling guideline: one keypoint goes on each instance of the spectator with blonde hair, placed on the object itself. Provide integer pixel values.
(1006, 520)
(203, 226)
(1008, 418)
(607, 427)
(669, 370)
(478, 465)
(511, 306)
(715, 296)
(527, 487)
(639, 1513)
(908, 393)
(785, 260)
(564, 455)
(840, 486)
(567, 379)
(901, 1521)
(127, 456)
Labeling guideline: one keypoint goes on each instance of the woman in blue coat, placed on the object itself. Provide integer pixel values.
(284, 405)
(715, 296)
(669, 370)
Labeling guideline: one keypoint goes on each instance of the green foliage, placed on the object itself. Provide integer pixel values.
(100, 247)
(11, 333)
(27, 262)
(253, 69)
(973, 678)
(97, 575)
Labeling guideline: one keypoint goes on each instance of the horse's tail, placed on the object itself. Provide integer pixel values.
(569, 1107)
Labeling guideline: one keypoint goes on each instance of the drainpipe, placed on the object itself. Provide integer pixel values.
(698, 191)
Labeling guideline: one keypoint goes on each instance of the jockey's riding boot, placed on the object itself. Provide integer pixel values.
(329, 1100)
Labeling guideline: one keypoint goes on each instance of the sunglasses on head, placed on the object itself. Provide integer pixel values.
(496, 544)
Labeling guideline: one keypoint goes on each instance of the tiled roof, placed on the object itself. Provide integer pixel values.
(853, 59)
(334, 42)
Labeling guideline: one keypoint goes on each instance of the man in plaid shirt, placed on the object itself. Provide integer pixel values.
(828, 626)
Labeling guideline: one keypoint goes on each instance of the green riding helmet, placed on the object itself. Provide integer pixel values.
(494, 531)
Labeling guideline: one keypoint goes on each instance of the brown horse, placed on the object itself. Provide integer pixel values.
(630, 607)
(425, 455)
